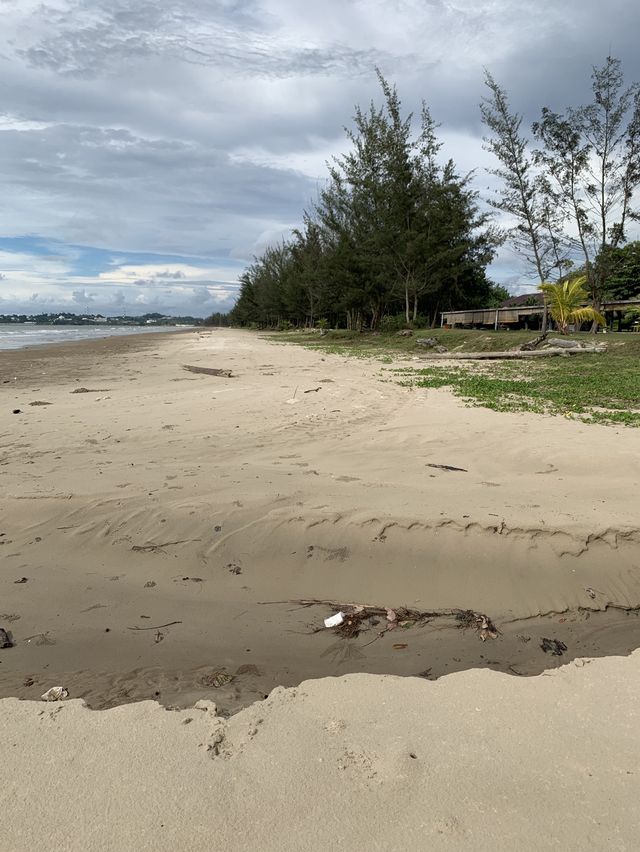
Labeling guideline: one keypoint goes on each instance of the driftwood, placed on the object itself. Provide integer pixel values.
(159, 548)
(568, 343)
(530, 345)
(209, 371)
(507, 356)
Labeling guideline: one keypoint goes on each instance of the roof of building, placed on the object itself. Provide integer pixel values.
(524, 300)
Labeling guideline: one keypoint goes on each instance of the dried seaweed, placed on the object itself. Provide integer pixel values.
(360, 617)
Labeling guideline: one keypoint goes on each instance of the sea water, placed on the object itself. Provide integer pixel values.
(19, 335)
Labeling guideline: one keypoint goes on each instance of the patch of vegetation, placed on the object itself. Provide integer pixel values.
(601, 388)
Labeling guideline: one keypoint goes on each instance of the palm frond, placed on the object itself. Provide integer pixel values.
(586, 314)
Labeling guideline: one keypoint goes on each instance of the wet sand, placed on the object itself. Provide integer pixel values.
(155, 517)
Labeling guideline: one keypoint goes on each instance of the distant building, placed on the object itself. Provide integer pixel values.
(520, 313)
(526, 300)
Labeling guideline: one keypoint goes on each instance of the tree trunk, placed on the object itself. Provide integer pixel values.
(435, 316)
(406, 303)
(595, 325)
(415, 307)
(376, 314)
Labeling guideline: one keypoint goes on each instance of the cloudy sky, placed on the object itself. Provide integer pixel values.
(149, 148)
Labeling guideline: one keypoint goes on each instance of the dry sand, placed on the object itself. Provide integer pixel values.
(478, 760)
(166, 496)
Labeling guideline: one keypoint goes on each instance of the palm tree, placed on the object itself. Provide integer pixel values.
(566, 303)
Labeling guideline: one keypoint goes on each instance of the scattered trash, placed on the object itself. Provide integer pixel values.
(5, 641)
(150, 584)
(216, 679)
(158, 637)
(56, 693)
(334, 620)
(478, 621)
(232, 568)
(351, 619)
(554, 646)
(400, 646)
(448, 467)
(313, 390)
(193, 579)
(591, 593)
(41, 639)
(209, 371)
(90, 390)
(21, 580)
(40, 402)
(16, 411)
(28, 681)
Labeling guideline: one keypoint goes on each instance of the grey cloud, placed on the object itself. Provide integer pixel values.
(169, 275)
(97, 38)
(148, 109)
(116, 179)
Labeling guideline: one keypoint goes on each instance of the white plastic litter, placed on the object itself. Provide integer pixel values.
(334, 620)
(56, 693)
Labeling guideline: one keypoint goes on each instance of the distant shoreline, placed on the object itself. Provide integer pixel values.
(12, 339)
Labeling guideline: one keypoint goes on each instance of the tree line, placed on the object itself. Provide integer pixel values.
(398, 234)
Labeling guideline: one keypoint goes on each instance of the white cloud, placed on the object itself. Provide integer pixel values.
(168, 287)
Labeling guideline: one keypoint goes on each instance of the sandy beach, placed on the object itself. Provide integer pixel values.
(158, 523)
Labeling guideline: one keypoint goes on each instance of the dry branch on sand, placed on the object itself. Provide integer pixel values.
(359, 617)
(209, 371)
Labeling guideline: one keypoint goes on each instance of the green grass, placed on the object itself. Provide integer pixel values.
(597, 389)
(367, 344)
(603, 388)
